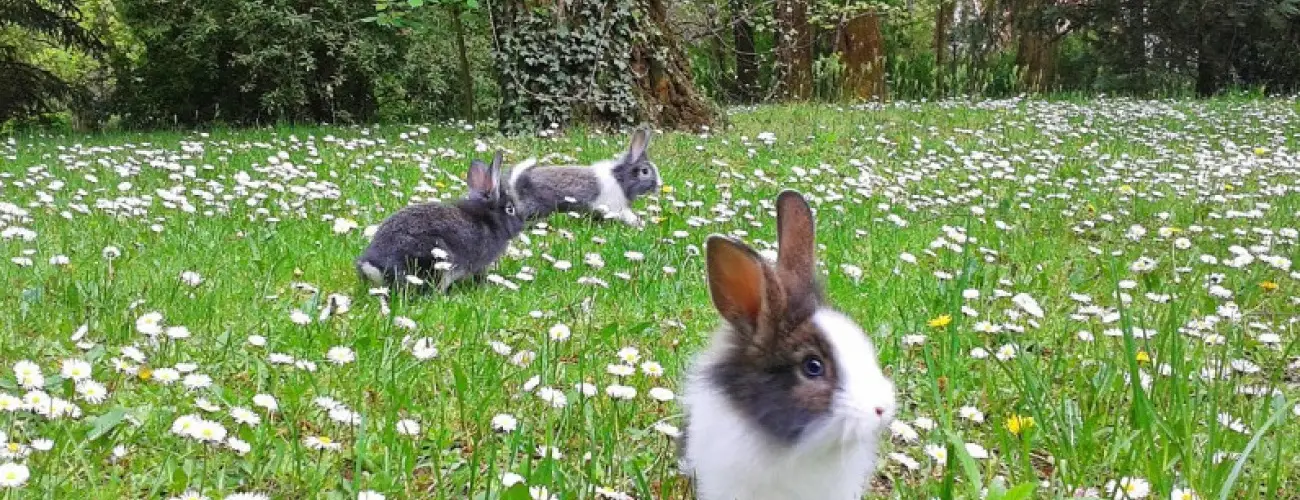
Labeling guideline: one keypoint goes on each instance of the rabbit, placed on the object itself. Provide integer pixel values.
(609, 186)
(449, 242)
(788, 401)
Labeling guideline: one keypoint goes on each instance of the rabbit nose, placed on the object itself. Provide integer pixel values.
(880, 412)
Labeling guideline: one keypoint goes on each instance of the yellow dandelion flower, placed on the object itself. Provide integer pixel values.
(145, 374)
(1017, 424)
(667, 189)
(940, 322)
(1268, 286)
(1143, 357)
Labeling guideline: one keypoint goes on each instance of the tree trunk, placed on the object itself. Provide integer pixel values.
(1207, 69)
(1035, 46)
(794, 49)
(664, 86)
(466, 79)
(613, 63)
(1136, 38)
(864, 56)
(747, 84)
(942, 19)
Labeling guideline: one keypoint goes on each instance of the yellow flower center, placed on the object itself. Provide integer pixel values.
(145, 374)
(325, 440)
(13, 447)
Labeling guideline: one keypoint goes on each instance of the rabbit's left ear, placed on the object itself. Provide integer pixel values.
(640, 141)
(480, 178)
(494, 173)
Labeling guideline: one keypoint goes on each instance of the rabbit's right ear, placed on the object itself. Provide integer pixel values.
(796, 238)
(494, 173)
(737, 282)
(480, 178)
(640, 141)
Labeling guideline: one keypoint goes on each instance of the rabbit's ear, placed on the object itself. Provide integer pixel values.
(795, 228)
(480, 178)
(494, 172)
(737, 282)
(640, 141)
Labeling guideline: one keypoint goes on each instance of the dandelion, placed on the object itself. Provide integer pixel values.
(1268, 286)
(1017, 424)
(111, 252)
(940, 322)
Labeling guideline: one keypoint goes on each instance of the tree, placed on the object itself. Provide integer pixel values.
(742, 30)
(253, 61)
(608, 63)
(864, 55)
(26, 89)
(794, 49)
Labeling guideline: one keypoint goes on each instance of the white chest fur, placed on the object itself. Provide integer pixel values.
(730, 460)
(611, 194)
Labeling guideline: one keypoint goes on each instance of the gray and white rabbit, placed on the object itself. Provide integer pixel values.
(607, 186)
(788, 401)
(444, 243)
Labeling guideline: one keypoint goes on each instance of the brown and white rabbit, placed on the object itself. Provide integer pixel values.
(788, 402)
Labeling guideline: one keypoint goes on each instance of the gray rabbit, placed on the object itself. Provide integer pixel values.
(607, 186)
(444, 243)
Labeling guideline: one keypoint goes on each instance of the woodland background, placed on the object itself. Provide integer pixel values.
(527, 65)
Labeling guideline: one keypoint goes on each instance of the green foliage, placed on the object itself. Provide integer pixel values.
(248, 61)
(557, 67)
(26, 88)
(424, 83)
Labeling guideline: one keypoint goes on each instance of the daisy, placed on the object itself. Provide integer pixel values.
(266, 401)
(370, 495)
(503, 422)
(13, 475)
(652, 369)
(245, 416)
(150, 324)
(1129, 488)
(661, 394)
(408, 427)
(75, 369)
(938, 453)
(341, 355)
(321, 443)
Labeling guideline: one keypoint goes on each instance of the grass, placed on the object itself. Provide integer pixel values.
(1004, 198)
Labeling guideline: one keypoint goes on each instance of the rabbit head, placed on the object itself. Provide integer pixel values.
(801, 373)
(634, 171)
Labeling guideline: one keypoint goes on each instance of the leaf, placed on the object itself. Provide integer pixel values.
(415, 4)
(958, 447)
(1022, 491)
(106, 422)
(1279, 410)
(517, 492)
(472, 4)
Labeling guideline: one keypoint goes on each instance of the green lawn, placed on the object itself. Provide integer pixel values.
(982, 245)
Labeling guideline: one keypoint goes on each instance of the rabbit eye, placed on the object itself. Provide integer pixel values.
(645, 171)
(813, 367)
(510, 209)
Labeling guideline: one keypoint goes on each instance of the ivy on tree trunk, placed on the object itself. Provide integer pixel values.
(609, 63)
